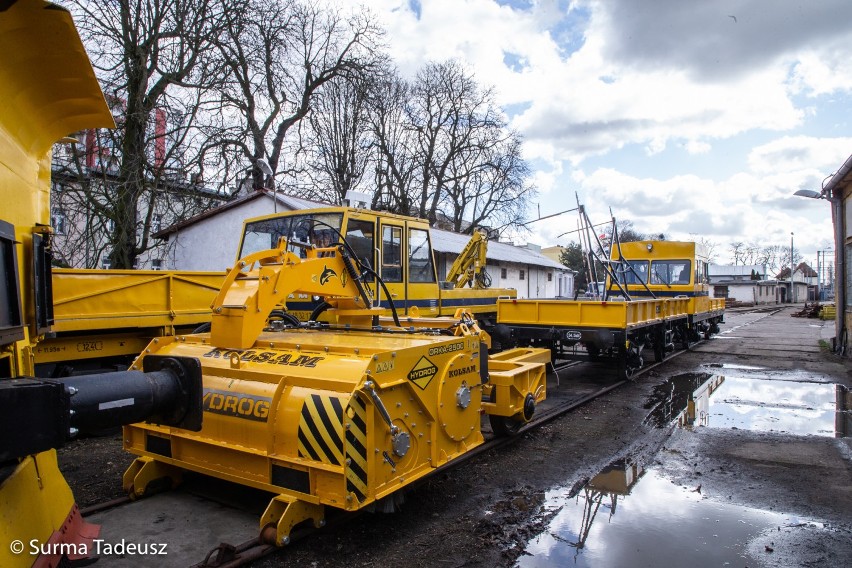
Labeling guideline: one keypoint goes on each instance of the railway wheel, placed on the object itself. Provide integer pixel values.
(504, 426)
(631, 359)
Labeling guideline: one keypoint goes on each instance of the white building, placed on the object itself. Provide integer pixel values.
(209, 241)
(747, 284)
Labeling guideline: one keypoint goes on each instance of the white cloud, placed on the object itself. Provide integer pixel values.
(585, 79)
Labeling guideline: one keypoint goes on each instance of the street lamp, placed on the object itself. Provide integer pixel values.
(820, 268)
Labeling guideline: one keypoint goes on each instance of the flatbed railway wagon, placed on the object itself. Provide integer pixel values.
(591, 330)
(670, 269)
(638, 315)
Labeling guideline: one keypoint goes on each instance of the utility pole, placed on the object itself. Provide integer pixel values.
(792, 268)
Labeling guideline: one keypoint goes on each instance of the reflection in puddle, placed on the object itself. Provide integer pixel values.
(716, 401)
(617, 521)
(735, 366)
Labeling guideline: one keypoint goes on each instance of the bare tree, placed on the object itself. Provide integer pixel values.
(445, 151)
(151, 57)
(339, 146)
(627, 232)
(394, 144)
(737, 250)
(279, 54)
(710, 246)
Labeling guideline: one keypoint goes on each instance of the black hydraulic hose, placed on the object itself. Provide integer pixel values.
(381, 282)
(318, 311)
(347, 261)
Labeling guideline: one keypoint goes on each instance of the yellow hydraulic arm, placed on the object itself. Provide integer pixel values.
(265, 279)
(469, 268)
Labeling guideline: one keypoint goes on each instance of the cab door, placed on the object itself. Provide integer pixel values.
(390, 265)
(422, 289)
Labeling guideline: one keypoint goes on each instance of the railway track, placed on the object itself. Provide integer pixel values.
(227, 555)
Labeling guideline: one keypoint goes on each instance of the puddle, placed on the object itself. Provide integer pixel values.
(734, 366)
(629, 517)
(723, 401)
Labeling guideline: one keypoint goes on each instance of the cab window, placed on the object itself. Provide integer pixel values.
(671, 272)
(636, 272)
(359, 235)
(265, 234)
(391, 254)
(419, 257)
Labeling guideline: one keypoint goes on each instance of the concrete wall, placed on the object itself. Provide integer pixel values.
(213, 245)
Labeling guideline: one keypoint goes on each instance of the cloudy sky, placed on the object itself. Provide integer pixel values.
(691, 118)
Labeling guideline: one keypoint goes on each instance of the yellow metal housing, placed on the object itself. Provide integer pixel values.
(341, 414)
(48, 90)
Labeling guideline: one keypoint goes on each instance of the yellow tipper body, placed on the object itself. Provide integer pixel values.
(48, 90)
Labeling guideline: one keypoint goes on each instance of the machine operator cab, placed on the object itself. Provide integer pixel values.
(664, 268)
(396, 247)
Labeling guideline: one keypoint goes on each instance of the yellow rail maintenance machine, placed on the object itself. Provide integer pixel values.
(656, 297)
(339, 413)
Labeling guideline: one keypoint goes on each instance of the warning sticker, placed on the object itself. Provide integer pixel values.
(421, 374)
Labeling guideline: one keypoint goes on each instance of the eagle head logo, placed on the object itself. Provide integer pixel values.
(326, 275)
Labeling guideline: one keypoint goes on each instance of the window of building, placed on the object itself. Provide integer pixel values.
(848, 275)
(503, 273)
(522, 274)
(105, 263)
(156, 223)
(157, 264)
(550, 277)
(57, 219)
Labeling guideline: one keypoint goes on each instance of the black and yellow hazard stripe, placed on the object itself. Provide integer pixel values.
(356, 448)
(321, 429)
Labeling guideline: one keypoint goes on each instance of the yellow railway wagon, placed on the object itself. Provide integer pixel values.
(581, 314)
(592, 329)
(105, 318)
(669, 269)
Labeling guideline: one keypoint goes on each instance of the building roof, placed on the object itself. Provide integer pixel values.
(804, 268)
(442, 241)
(447, 241)
(735, 270)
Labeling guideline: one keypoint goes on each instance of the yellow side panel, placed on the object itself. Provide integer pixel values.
(109, 299)
(579, 313)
